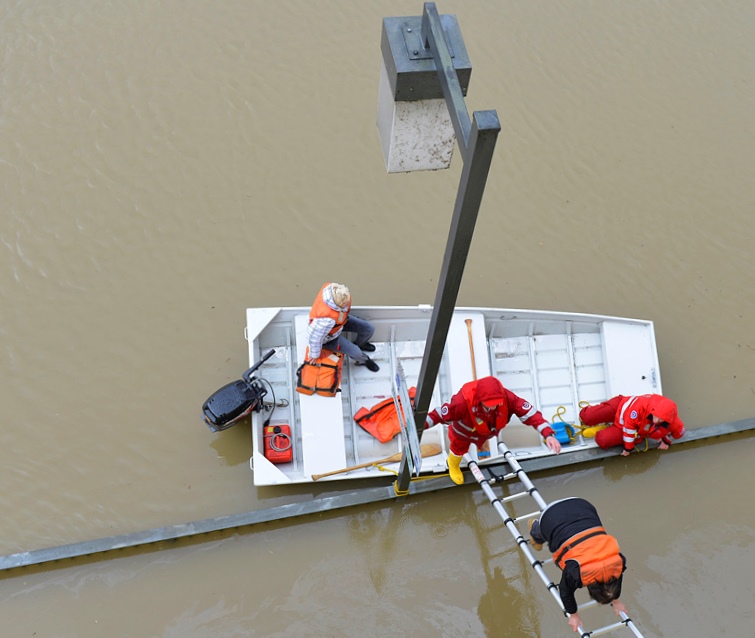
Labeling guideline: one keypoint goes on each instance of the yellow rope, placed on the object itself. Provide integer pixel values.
(429, 478)
(569, 428)
(559, 414)
(399, 492)
(573, 430)
(412, 480)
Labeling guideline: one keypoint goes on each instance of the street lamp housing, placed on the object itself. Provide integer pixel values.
(414, 125)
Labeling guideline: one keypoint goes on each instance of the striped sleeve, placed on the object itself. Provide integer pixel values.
(317, 331)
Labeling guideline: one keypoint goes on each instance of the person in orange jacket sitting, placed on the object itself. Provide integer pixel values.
(480, 410)
(584, 552)
(634, 419)
(329, 317)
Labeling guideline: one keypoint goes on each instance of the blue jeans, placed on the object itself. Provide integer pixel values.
(363, 330)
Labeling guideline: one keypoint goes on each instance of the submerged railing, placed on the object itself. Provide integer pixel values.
(319, 505)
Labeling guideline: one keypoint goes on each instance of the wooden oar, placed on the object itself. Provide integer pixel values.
(428, 449)
(485, 446)
(471, 348)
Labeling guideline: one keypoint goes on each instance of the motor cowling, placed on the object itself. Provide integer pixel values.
(231, 403)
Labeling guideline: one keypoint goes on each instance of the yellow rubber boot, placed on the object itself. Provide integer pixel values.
(589, 433)
(454, 469)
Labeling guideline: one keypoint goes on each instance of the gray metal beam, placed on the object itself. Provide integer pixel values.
(319, 505)
(477, 141)
(485, 129)
(432, 33)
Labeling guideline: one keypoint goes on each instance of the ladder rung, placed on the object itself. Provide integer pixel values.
(607, 629)
(506, 477)
(513, 497)
(524, 517)
(589, 603)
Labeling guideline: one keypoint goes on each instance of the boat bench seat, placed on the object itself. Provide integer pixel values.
(322, 429)
(629, 358)
(459, 350)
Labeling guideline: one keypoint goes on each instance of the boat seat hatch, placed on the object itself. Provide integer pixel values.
(630, 358)
(463, 339)
(322, 429)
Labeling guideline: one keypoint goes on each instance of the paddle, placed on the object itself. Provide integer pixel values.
(471, 348)
(428, 449)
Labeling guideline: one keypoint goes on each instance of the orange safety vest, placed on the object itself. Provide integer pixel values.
(321, 309)
(597, 553)
(382, 420)
(323, 376)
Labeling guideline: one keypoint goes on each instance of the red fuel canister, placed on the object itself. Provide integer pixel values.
(277, 440)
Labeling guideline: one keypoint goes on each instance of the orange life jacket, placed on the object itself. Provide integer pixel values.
(321, 309)
(597, 553)
(381, 420)
(323, 376)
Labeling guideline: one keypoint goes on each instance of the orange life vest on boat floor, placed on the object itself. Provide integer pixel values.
(597, 553)
(381, 420)
(322, 377)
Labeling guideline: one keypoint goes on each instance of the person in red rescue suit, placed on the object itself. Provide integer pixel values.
(584, 552)
(329, 318)
(479, 411)
(634, 419)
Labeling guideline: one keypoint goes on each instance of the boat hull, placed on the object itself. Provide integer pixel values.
(555, 360)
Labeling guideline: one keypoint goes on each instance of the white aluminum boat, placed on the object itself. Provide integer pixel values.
(553, 359)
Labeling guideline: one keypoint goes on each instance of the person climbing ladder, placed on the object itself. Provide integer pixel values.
(584, 552)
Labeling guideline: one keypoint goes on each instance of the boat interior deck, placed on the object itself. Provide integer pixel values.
(555, 361)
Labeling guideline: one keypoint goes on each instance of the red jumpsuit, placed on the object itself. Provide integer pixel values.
(631, 419)
(469, 422)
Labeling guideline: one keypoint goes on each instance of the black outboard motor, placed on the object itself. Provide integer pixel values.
(234, 401)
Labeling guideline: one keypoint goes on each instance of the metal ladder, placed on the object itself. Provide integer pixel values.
(510, 521)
